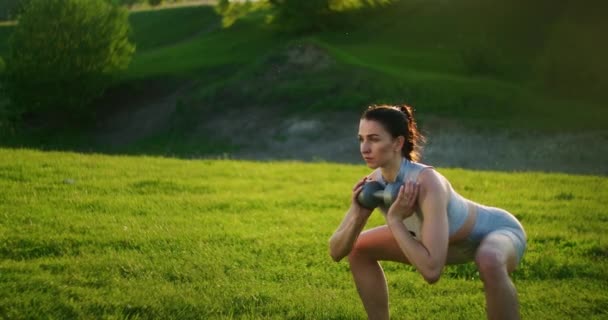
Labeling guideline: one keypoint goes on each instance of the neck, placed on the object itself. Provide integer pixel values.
(391, 169)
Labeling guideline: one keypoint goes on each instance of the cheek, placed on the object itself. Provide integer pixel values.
(382, 148)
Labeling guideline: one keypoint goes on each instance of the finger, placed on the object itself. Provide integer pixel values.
(360, 183)
(401, 193)
(408, 189)
(405, 196)
(357, 190)
(416, 192)
(413, 197)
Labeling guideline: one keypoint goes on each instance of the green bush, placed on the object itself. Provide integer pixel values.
(155, 3)
(10, 9)
(128, 3)
(296, 16)
(233, 11)
(62, 55)
(131, 3)
(313, 15)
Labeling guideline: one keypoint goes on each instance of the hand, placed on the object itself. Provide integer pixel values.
(354, 203)
(405, 203)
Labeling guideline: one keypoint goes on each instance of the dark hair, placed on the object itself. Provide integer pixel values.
(399, 120)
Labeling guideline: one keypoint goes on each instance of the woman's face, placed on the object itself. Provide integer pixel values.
(377, 146)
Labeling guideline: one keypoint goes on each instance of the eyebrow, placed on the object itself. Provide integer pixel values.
(369, 135)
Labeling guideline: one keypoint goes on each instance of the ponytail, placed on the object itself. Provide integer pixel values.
(415, 140)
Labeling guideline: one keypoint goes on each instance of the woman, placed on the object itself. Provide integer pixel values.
(428, 225)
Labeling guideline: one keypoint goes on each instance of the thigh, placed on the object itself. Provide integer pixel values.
(379, 244)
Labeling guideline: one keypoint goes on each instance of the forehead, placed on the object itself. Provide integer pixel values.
(368, 127)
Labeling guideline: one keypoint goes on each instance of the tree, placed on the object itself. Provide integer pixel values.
(62, 55)
(10, 9)
(311, 15)
(155, 3)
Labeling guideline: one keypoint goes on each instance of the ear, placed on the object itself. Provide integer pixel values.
(399, 141)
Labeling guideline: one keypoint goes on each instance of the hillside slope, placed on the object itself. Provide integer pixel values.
(199, 89)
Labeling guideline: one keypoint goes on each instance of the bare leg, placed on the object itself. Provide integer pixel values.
(495, 258)
(372, 246)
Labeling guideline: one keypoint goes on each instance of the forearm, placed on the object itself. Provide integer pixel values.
(343, 239)
(417, 254)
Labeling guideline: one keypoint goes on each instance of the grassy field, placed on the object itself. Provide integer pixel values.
(95, 236)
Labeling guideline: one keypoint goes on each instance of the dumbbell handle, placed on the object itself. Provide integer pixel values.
(389, 194)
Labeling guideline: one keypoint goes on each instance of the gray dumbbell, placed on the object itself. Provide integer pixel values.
(374, 194)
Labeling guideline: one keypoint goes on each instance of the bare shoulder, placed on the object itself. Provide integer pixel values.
(431, 180)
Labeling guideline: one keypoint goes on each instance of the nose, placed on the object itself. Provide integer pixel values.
(365, 148)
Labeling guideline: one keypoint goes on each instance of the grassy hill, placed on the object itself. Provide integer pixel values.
(94, 236)
(483, 65)
(439, 56)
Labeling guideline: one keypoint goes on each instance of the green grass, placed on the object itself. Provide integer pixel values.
(150, 27)
(233, 47)
(94, 236)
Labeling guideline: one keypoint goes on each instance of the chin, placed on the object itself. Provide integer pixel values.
(372, 165)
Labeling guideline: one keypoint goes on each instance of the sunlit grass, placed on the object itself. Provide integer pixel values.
(94, 236)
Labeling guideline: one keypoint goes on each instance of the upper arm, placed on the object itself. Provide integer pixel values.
(432, 200)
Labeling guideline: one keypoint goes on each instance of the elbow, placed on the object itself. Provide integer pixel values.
(432, 272)
(334, 253)
(335, 257)
(432, 276)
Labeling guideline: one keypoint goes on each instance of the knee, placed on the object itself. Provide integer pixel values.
(491, 265)
(359, 253)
